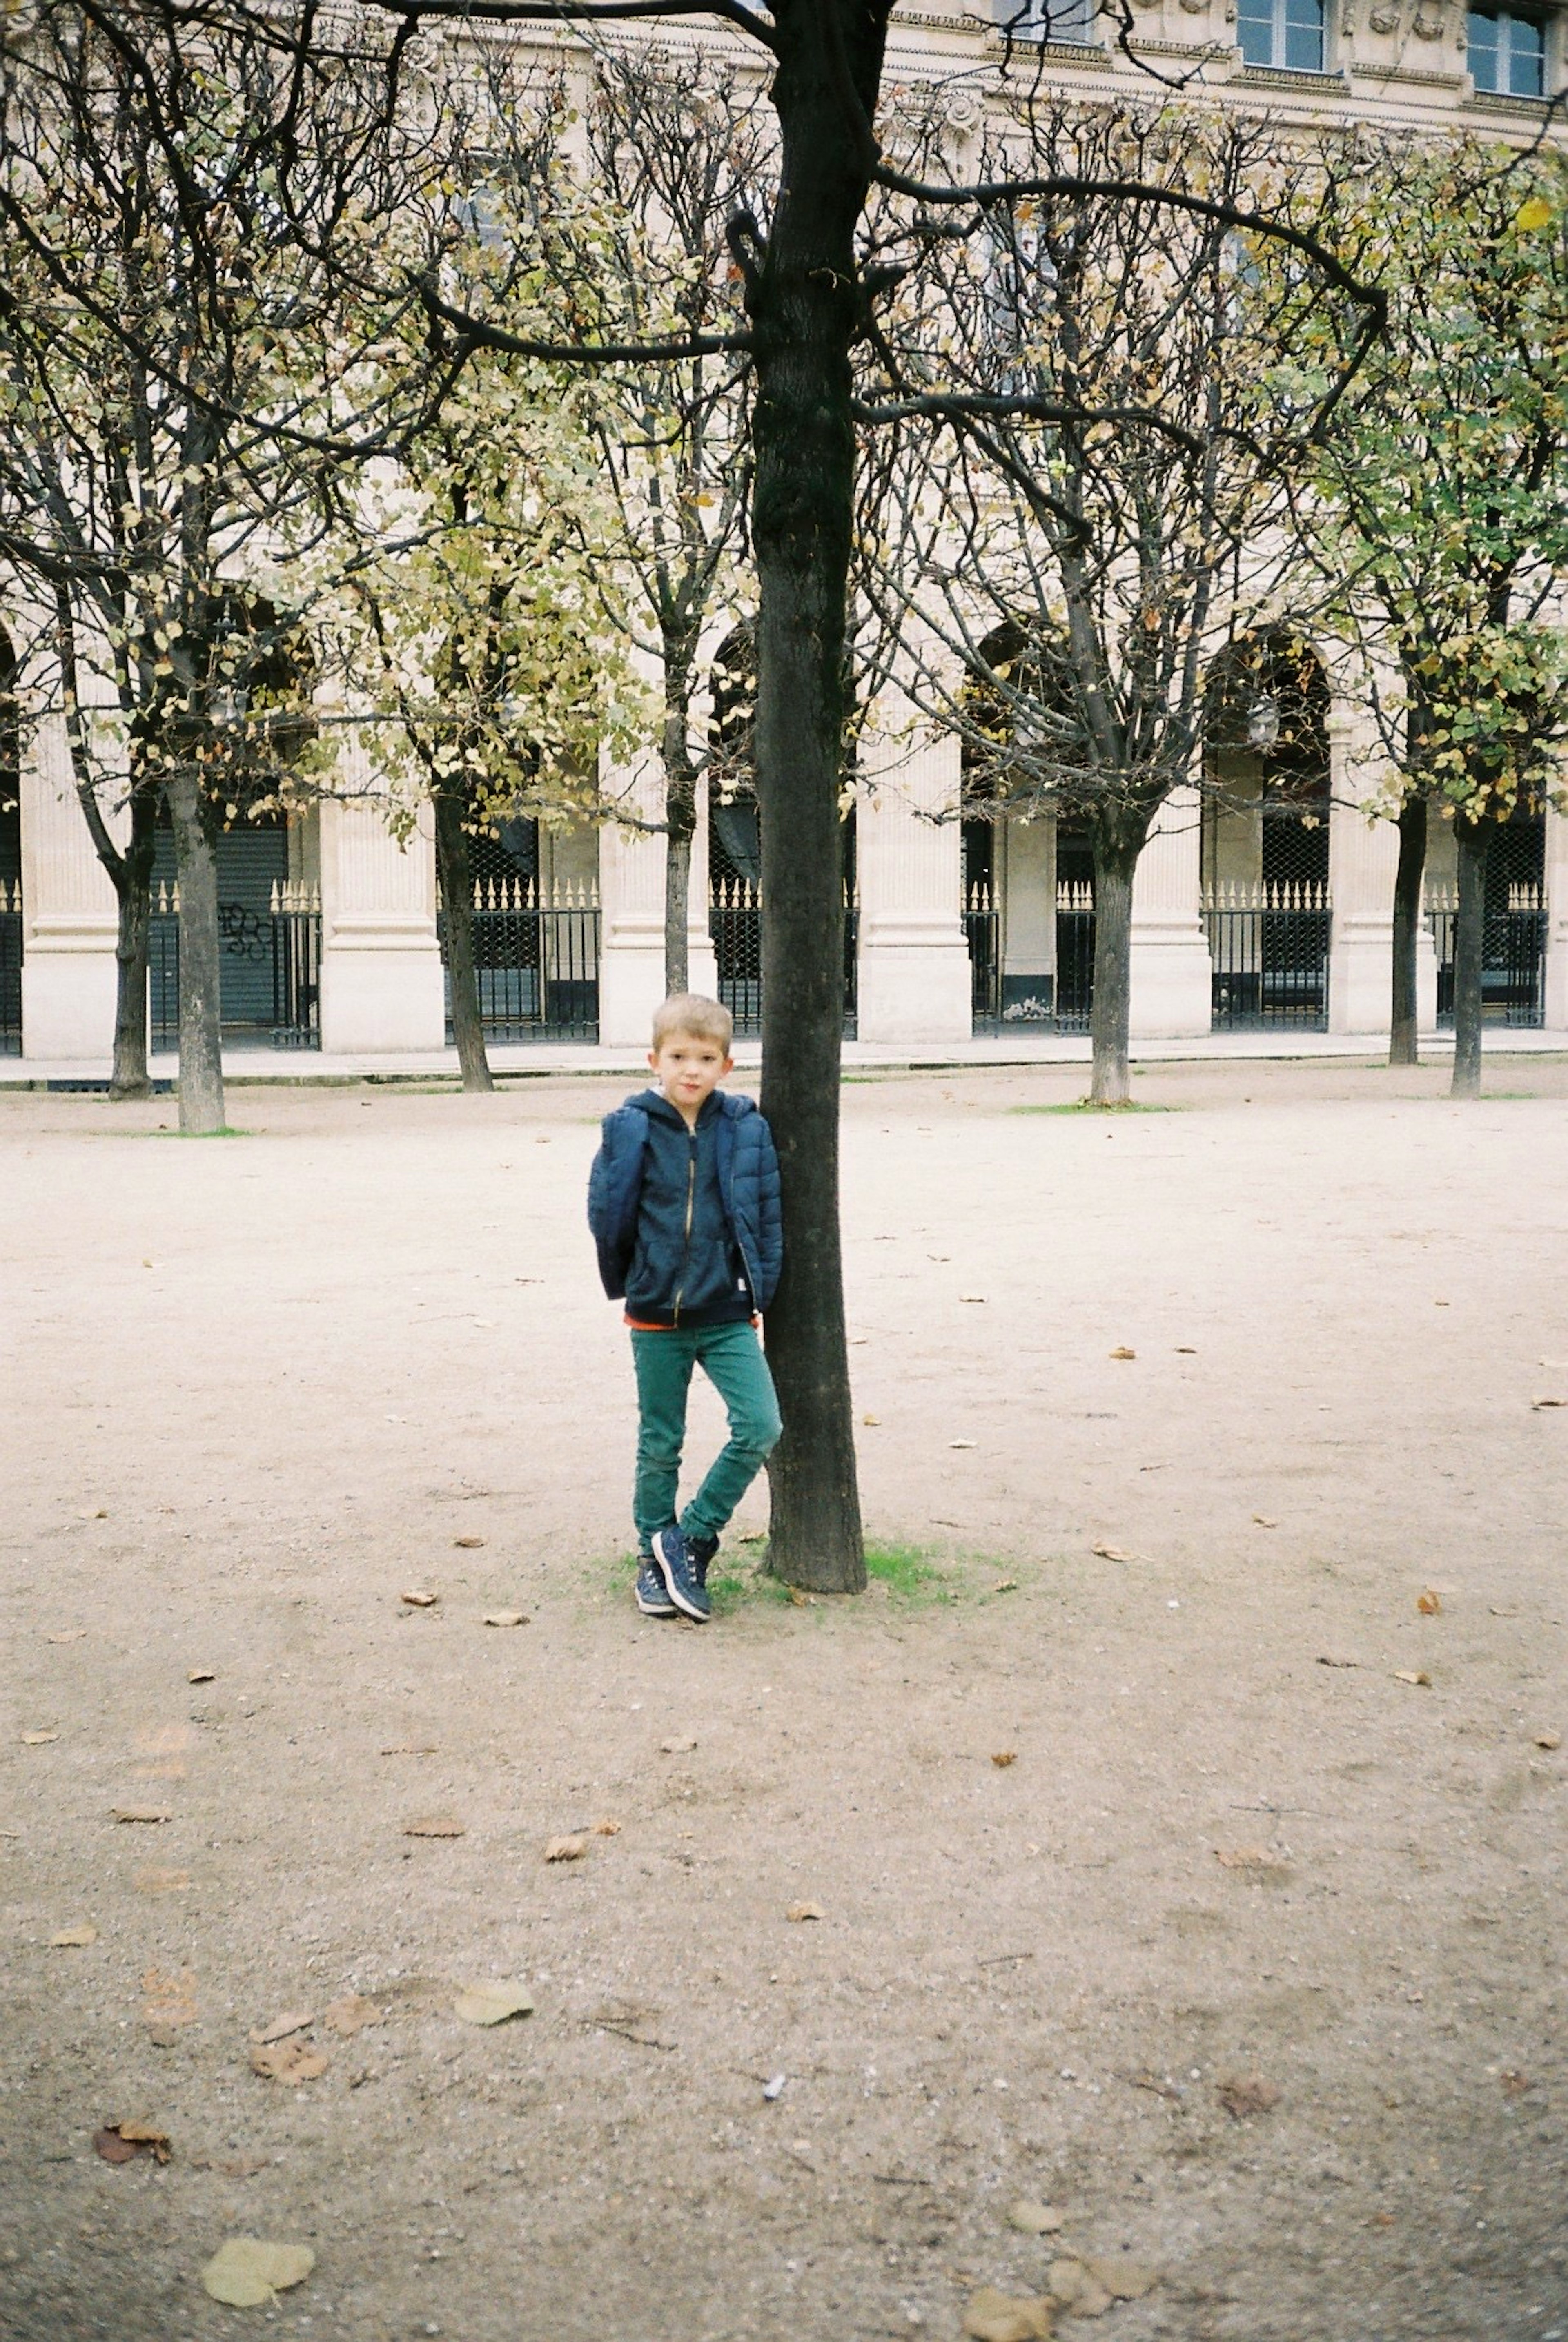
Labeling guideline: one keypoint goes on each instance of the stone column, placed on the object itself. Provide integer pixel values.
(914, 977)
(1028, 890)
(68, 911)
(1556, 969)
(382, 987)
(1172, 973)
(1363, 858)
(632, 908)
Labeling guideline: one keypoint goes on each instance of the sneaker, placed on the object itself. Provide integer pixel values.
(703, 1551)
(652, 1599)
(674, 1561)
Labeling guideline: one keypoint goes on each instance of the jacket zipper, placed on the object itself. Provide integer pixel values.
(691, 1202)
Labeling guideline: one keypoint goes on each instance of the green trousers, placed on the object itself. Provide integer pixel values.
(731, 1358)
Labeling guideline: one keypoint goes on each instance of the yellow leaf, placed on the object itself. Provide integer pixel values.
(244, 2272)
(1533, 213)
(491, 2004)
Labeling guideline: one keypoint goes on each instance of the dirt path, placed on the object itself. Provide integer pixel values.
(257, 1389)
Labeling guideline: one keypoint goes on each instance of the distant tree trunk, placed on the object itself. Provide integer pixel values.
(134, 892)
(201, 1012)
(1110, 1009)
(1473, 839)
(1403, 1038)
(805, 309)
(680, 828)
(452, 869)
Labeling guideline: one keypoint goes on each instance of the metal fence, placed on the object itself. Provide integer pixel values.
(10, 968)
(269, 969)
(1269, 946)
(1512, 958)
(736, 926)
(535, 960)
(1059, 1001)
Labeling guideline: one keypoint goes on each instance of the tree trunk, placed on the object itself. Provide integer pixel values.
(457, 878)
(1404, 1039)
(804, 304)
(133, 890)
(677, 912)
(1110, 1011)
(201, 1029)
(1473, 840)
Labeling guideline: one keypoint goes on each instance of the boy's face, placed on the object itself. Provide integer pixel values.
(688, 1070)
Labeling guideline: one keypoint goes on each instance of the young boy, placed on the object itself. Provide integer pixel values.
(684, 1204)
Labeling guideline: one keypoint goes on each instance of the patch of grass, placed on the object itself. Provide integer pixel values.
(905, 1571)
(1085, 1105)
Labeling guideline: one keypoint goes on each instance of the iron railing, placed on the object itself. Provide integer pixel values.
(736, 926)
(269, 969)
(1512, 958)
(1270, 947)
(1061, 1001)
(10, 967)
(535, 960)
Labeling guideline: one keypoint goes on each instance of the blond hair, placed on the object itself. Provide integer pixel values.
(693, 1012)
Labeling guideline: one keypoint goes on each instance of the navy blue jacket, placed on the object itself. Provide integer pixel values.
(686, 1222)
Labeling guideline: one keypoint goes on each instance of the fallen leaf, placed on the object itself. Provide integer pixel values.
(1069, 2281)
(1109, 1552)
(1548, 1399)
(297, 2021)
(973, 1296)
(201, 1675)
(1185, 1350)
(1121, 1351)
(100, 1513)
(1002, 1758)
(1248, 1857)
(435, 1826)
(565, 1849)
(1549, 1740)
(1429, 1603)
(155, 1880)
(1248, 2094)
(1413, 1675)
(171, 1998)
(1514, 2084)
(66, 1635)
(467, 1543)
(1122, 2278)
(1033, 2219)
(506, 1617)
(803, 1911)
(491, 2004)
(411, 1748)
(289, 2061)
(802, 1601)
(38, 1739)
(351, 2014)
(417, 1599)
(606, 1828)
(73, 1938)
(247, 2273)
(1005, 1586)
(962, 1443)
(873, 1420)
(1324, 1661)
(676, 1747)
(1265, 1520)
(993, 2316)
(141, 1814)
(118, 2142)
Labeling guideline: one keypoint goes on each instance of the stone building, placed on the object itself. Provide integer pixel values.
(1275, 911)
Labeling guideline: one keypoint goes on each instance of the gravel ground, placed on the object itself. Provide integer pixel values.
(1248, 1961)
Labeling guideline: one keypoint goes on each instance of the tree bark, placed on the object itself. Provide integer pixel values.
(201, 1013)
(680, 824)
(803, 303)
(1403, 1038)
(457, 878)
(1110, 1013)
(1473, 840)
(133, 893)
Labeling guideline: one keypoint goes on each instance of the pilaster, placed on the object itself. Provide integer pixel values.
(382, 986)
(632, 906)
(1556, 969)
(68, 911)
(913, 974)
(1171, 973)
(1362, 861)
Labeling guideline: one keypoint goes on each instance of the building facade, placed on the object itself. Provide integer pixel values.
(1267, 904)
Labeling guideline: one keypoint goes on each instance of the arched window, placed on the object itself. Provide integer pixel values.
(1284, 33)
